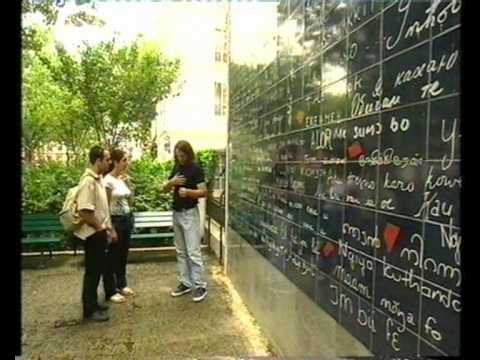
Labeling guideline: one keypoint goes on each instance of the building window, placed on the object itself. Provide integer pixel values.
(218, 98)
(221, 47)
(221, 99)
(224, 100)
(221, 54)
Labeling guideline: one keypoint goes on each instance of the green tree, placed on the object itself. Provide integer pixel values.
(69, 127)
(120, 87)
(49, 10)
(37, 106)
(84, 18)
(51, 113)
(106, 94)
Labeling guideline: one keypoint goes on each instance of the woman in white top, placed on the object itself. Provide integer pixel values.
(119, 194)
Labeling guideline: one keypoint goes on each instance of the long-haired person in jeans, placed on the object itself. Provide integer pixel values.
(119, 195)
(188, 183)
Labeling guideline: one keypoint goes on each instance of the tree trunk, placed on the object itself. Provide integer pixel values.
(28, 156)
(68, 157)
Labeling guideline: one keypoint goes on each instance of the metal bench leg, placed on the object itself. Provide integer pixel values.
(221, 245)
(42, 259)
(209, 232)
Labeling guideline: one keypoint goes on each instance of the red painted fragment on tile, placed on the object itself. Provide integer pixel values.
(391, 235)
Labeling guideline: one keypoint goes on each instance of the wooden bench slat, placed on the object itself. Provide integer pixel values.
(153, 236)
(40, 240)
(154, 225)
(152, 219)
(41, 220)
(153, 216)
(164, 222)
(152, 213)
(35, 228)
(40, 216)
(41, 223)
(46, 228)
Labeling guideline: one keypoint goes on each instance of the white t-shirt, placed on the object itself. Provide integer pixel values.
(120, 194)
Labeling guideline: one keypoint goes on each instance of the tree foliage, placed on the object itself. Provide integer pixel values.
(51, 113)
(82, 18)
(105, 93)
(45, 186)
(49, 10)
(120, 87)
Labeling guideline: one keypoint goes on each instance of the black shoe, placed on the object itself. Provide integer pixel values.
(97, 316)
(181, 290)
(199, 294)
(102, 307)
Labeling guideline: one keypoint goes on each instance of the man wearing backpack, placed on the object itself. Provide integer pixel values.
(95, 230)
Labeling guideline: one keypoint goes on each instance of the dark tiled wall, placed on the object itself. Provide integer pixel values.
(345, 165)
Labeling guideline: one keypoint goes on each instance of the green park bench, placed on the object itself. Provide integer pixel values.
(42, 230)
(45, 230)
(153, 225)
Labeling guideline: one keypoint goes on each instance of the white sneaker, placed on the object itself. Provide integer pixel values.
(126, 291)
(117, 298)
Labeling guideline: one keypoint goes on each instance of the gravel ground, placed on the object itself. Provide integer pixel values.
(150, 325)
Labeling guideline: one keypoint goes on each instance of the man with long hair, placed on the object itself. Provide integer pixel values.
(188, 183)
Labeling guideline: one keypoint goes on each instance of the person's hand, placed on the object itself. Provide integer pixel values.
(113, 235)
(182, 192)
(178, 180)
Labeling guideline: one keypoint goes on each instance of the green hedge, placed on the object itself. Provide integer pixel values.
(208, 160)
(147, 177)
(45, 186)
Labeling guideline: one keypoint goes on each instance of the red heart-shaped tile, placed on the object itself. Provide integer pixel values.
(391, 236)
(355, 150)
(329, 250)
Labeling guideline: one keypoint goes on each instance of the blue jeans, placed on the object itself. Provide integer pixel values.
(186, 225)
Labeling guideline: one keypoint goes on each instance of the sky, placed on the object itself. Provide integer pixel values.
(170, 25)
(158, 21)
(180, 29)
(125, 19)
